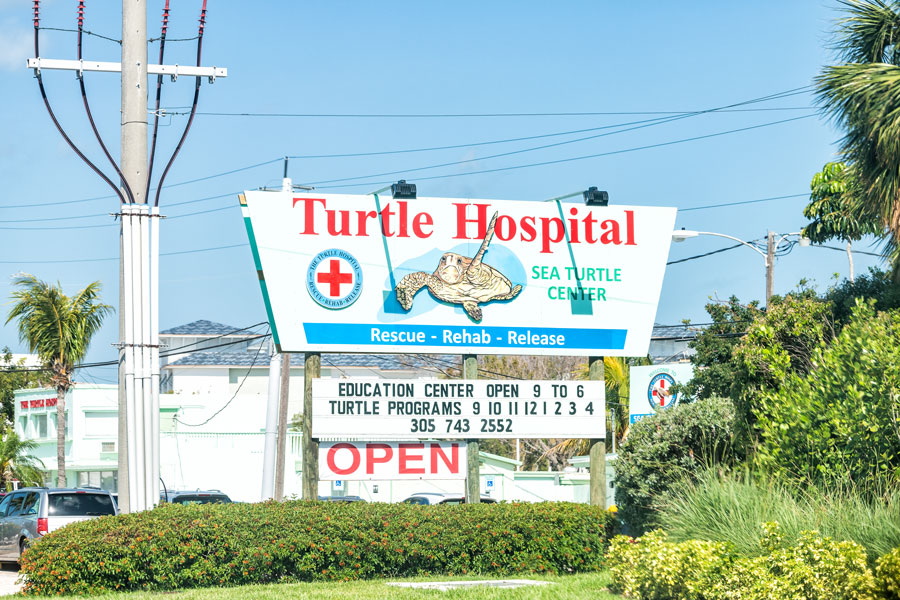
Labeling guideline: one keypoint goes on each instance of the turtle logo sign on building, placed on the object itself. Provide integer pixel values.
(651, 388)
(342, 273)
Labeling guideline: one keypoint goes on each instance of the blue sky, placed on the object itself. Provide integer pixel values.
(423, 57)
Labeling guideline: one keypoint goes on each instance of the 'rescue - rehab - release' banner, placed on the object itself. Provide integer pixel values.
(346, 273)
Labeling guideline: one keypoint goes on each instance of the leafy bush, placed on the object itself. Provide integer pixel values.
(840, 417)
(888, 574)
(662, 449)
(174, 547)
(729, 509)
(652, 568)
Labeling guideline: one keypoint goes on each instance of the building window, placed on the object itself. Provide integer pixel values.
(40, 426)
(101, 423)
(107, 446)
(106, 480)
(23, 426)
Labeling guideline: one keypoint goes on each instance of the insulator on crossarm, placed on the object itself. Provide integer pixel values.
(37, 13)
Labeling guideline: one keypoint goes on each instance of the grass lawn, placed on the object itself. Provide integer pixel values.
(591, 586)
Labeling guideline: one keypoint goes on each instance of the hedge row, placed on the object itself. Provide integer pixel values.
(651, 568)
(177, 547)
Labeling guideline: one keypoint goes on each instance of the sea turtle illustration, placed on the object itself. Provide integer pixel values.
(461, 280)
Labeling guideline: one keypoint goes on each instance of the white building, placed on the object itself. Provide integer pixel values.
(212, 424)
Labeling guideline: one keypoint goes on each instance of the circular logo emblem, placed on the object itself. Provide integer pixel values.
(334, 279)
(659, 392)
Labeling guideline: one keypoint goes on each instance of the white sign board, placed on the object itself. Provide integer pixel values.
(339, 461)
(650, 388)
(344, 273)
(457, 408)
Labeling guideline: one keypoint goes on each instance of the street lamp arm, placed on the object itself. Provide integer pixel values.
(730, 237)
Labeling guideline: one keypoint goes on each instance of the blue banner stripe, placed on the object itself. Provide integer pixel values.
(376, 334)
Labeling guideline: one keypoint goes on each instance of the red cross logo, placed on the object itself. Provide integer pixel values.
(334, 278)
(660, 392)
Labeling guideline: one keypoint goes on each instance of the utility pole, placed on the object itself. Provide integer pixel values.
(597, 486)
(281, 440)
(271, 444)
(473, 476)
(138, 401)
(770, 266)
(134, 168)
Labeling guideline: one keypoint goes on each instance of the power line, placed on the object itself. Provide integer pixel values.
(230, 400)
(726, 249)
(574, 158)
(724, 204)
(637, 125)
(75, 260)
(162, 355)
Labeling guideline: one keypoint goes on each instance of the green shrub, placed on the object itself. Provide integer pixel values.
(839, 418)
(815, 568)
(725, 508)
(174, 547)
(663, 449)
(651, 568)
(887, 573)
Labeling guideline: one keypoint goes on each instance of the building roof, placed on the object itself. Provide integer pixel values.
(202, 327)
(384, 362)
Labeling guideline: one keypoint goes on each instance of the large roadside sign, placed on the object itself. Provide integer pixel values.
(342, 273)
(348, 409)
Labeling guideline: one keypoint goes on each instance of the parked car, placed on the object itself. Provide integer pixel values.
(28, 513)
(341, 499)
(427, 498)
(194, 497)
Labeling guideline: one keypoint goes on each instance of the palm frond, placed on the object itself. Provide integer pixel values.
(870, 31)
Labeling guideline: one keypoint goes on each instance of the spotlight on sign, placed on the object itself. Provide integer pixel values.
(595, 197)
(403, 191)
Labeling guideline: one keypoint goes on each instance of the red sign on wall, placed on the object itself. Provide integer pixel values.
(38, 403)
(391, 460)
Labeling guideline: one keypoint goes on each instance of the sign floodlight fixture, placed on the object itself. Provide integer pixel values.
(403, 191)
(595, 197)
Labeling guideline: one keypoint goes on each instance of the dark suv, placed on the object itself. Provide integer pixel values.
(194, 497)
(29, 513)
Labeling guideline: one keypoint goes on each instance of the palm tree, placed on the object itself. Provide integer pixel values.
(59, 330)
(863, 96)
(617, 377)
(17, 462)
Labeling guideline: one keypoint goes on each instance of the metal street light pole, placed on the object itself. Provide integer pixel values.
(679, 235)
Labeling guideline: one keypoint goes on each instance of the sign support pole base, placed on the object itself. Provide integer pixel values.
(473, 476)
(598, 445)
(312, 369)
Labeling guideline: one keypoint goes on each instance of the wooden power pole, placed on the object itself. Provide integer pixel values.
(473, 477)
(598, 445)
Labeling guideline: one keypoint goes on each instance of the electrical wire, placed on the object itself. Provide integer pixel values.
(653, 123)
(574, 158)
(86, 32)
(77, 260)
(793, 92)
(187, 127)
(724, 204)
(90, 116)
(159, 80)
(230, 400)
(59, 128)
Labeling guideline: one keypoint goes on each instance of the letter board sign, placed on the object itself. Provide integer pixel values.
(343, 273)
(354, 461)
(457, 409)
